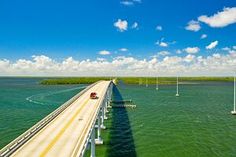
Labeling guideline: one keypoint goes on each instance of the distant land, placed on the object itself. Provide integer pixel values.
(131, 80)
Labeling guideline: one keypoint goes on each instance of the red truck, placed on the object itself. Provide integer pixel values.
(93, 95)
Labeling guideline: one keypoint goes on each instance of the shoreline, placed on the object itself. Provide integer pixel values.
(134, 80)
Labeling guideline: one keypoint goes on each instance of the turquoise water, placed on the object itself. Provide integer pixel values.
(196, 124)
(23, 102)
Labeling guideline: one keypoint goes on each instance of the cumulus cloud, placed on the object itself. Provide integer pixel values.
(163, 53)
(229, 50)
(138, 1)
(163, 44)
(212, 45)
(123, 49)
(101, 59)
(193, 26)
(203, 36)
(121, 25)
(127, 3)
(226, 49)
(104, 52)
(220, 19)
(189, 65)
(178, 51)
(189, 58)
(159, 28)
(192, 50)
(130, 2)
(216, 55)
(135, 25)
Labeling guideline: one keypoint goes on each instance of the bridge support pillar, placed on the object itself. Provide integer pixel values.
(105, 111)
(102, 118)
(92, 141)
(99, 140)
(106, 104)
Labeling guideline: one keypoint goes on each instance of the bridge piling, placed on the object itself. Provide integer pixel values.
(107, 105)
(102, 118)
(105, 110)
(92, 141)
(99, 140)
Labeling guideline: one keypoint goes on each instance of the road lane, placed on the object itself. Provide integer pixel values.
(65, 135)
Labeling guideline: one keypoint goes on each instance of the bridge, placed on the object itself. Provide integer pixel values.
(68, 130)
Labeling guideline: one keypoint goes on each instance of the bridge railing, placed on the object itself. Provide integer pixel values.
(23, 138)
(94, 121)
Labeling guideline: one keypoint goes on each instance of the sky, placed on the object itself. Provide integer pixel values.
(117, 37)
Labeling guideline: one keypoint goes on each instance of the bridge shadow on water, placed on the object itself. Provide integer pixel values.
(121, 142)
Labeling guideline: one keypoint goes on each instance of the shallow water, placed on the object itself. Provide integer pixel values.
(23, 102)
(196, 124)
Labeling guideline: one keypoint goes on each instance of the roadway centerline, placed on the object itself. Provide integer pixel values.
(46, 127)
(86, 128)
(52, 143)
(47, 149)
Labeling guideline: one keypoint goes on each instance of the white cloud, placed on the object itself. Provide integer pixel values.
(216, 55)
(189, 58)
(121, 25)
(163, 44)
(135, 25)
(178, 51)
(138, 1)
(163, 53)
(101, 59)
(226, 49)
(192, 50)
(104, 52)
(190, 65)
(230, 50)
(127, 3)
(203, 36)
(193, 26)
(123, 49)
(220, 19)
(212, 45)
(130, 2)
(159, 28)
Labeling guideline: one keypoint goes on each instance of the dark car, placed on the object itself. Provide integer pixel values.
(93, 95)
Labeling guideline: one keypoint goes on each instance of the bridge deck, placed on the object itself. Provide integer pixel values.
(66, 134)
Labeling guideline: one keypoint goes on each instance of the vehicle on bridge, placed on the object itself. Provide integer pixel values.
(93, 95)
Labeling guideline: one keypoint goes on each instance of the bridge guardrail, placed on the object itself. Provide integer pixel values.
(93, 125)
(23, 138)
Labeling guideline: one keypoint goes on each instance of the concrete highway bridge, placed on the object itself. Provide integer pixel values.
(67, 131)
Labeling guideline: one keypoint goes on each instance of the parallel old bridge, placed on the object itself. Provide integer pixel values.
(67, 131)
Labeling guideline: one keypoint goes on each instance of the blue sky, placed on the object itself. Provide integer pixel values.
(59, 29)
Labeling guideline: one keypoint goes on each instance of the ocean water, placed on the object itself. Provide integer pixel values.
(196, 124)
(24, 102)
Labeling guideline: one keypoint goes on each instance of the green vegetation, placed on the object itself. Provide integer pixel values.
(170, 80)
(72, 80)
(130, 80)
